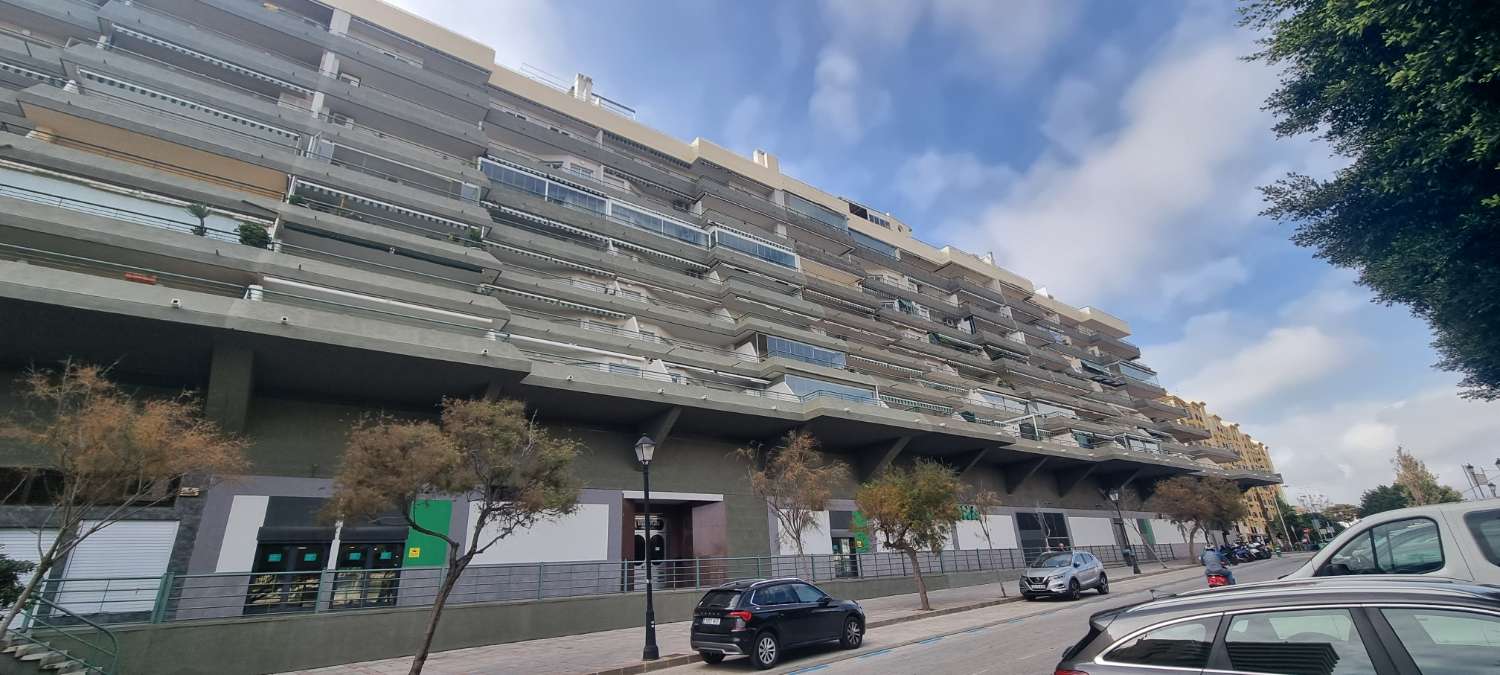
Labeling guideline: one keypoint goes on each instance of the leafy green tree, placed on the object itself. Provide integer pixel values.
(255, 235)
(912, 510)
(10, 579)
(1406, 91)
(1382, 498)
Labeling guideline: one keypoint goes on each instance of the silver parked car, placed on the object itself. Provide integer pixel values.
(1064, 573)
(1455, 541)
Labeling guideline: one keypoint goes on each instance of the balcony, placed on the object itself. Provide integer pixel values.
(1158, 410)
(1183, 432)
(1064, 423)
(40, 186)
(1214, 453)
(1115, 346)
(913, 405)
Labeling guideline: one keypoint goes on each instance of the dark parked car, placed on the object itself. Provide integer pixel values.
(1380, 625)
(760, 618)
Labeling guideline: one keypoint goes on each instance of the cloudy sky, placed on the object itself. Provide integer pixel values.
(1108, 151)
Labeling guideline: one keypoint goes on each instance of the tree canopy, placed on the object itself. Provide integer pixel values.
(106, 454)
(1421, 485)
(796, 483)
(1382, 498)
(1409, 93)
(1197, 503)
(912, 510)
(512, 471)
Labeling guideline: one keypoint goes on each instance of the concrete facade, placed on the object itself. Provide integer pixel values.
(442, 226)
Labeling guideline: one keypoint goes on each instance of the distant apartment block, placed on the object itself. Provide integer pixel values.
(1229, 447)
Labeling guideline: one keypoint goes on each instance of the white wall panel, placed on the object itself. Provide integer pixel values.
(133, 554)
(581, 535)
(816, 539)
(1091, 531)
(237, 550)
(1002, 531)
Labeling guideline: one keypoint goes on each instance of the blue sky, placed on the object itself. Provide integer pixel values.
(1108, 151)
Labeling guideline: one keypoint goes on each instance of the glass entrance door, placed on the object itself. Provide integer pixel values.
(368, 575)
(285, 577)
(845, 559)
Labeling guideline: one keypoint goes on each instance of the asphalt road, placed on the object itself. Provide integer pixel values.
(1020, 637)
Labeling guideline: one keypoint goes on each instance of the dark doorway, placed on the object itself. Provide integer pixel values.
(1041, 532)
(368, 575)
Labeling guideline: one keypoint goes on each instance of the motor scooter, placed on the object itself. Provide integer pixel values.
(1217, 580)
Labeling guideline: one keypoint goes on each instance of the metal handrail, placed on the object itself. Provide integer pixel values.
(229, 595)
(69, 630)
(104, 210)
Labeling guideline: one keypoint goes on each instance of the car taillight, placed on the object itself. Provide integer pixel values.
(741, 618)
(1064, 671)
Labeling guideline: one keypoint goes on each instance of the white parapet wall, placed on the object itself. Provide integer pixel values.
(1002, 532)
(1091, 531)
(581, 535)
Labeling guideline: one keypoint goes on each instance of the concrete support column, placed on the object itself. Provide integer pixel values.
(338, 24)
(329, 65)
(230, 381)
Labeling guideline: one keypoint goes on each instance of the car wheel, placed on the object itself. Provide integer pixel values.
(1103, 585)
(767, 651)
(853, 635)
(1074, 589)
(712, 657)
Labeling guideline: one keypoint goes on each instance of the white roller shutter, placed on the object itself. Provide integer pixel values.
(131, 554)
(21, 544)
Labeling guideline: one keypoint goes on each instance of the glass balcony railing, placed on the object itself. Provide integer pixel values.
(132, 206)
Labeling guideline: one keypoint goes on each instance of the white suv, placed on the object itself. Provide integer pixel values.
(1458, 541)
(1064, 573)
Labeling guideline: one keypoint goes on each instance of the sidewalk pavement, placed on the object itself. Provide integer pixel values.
(618, 651)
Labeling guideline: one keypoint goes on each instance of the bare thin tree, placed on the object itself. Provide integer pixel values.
(103, 455)
(796, 482)
(513, 472)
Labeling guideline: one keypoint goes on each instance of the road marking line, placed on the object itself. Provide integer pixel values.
(808, 669)
(875, 653)
(931, 640)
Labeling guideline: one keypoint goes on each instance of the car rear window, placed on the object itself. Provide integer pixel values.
(1485, 526)
(719, 599)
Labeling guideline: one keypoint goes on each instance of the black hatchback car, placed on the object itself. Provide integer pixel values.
(1384, 625)
(761, 617)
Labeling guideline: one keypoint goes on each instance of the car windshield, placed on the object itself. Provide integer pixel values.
(1054, 560)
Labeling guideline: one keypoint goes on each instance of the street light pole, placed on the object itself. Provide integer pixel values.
(645, 448)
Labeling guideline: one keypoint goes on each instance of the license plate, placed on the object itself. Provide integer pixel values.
(710, 621)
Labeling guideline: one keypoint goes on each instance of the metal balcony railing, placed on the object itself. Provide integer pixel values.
(117, 213)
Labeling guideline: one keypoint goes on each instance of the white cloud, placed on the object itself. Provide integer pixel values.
(1342, 449)
(1008, 38)
(1203, 283)
(1144, 197)
(925, 177)
(529, 34)
(744, 127)
(1282, 360)
(841, 104)
(881, 23)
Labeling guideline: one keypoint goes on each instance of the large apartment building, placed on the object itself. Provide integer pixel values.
(1232, 448)
(394, 218)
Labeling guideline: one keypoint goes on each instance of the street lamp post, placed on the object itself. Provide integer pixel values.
(645, 448)
(1135, 565)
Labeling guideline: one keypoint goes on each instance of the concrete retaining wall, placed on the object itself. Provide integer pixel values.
(291, 642)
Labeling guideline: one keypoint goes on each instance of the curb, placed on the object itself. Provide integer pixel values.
(674, 660)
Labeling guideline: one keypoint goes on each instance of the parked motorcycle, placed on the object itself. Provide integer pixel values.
(1217, 580)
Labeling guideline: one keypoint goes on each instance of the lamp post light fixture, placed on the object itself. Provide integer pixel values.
(1114, 497)
(645, 449)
